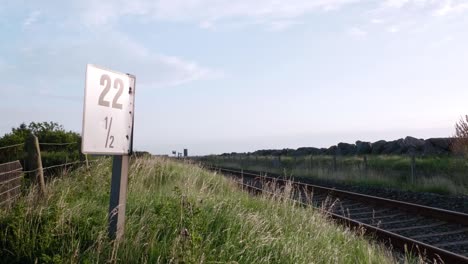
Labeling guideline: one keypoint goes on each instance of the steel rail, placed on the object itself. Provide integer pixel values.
(396, 240)
(442, 214)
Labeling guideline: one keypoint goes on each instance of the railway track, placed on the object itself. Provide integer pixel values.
(437, 234)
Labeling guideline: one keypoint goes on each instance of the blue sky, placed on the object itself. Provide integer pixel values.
(218, 76)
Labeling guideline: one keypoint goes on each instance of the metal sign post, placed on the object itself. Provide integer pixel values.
(108, 130)
(118, 196)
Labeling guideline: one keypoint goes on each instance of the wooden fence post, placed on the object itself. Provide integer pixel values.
(34, 162)
(87, 162)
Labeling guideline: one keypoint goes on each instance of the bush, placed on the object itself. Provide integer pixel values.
(460, 144)
(46, 132)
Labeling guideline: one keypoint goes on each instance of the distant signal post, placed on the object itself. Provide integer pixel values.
(108, 130)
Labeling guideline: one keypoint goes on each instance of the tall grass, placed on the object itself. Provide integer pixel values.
(176, 213)
(443, 175)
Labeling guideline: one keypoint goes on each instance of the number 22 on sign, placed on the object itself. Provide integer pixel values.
(108, 111)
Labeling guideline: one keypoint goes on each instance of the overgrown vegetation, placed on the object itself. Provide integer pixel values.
(176, 213)
(439, 174)
(68, 148)
(460, 144)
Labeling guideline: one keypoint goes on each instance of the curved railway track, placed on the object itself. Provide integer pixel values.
(435, 233)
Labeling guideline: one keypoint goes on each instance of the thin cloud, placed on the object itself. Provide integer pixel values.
(154, 70)
(55, 94)
(31, 19)
(377, 21)
(357, 32)
(273, 15)
(396, 3)
(281, 25)
(442, 42)
(207, 25)
(393, 29)
(449, 8)
(417, 16)
(437, 8)
(206, 13)
(4, 66)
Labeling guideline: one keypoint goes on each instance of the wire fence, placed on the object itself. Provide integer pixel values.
(18, 161)
(10, 181)
(57, 144)
(41, 144)
(12, 146)
(395, 169)
(52, 153)
(6, 172)
(57, 166)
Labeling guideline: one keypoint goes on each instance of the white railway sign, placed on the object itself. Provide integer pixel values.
(108, 112)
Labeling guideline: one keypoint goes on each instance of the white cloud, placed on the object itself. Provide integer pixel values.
(393, 29)
(274, 15)
(4, 66)
(207, 13)
(207, 25)
(441, 42)
(32, 18)
(183, 71)
(377, 21)
(449, 7)
(414, 3)
(357, 32)
(437, 7)
(281, 25)
(64, 61)
(418, 16)
(396, 3)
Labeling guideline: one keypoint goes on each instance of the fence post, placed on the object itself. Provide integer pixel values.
(413, 167)
(365, 165)
(242, 179)
(87, 162)
(334, 162)
(34, 162)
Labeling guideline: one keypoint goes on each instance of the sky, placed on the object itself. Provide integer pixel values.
(218, 76)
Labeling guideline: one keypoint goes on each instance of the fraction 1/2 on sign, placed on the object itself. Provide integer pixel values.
(109, 137)
(108, 111)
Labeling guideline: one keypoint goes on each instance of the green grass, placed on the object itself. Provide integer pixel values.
(176, 213)
(443, 175)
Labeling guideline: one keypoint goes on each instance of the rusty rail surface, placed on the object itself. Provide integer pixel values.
(387, 235)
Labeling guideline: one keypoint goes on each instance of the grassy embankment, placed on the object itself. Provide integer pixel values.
(176, 213)
(443, 175)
